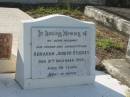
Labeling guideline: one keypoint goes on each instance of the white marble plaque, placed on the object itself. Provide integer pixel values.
(56, 50)
(60, 52)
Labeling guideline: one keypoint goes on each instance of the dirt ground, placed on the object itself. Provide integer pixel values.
(112, 53)
(103, 32)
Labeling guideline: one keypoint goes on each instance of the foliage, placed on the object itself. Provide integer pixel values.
(40, 11)
(108, 44)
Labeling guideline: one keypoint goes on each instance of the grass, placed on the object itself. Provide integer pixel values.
(108, 41)
(108, 44)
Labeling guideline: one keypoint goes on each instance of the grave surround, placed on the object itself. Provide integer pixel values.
(54, 51)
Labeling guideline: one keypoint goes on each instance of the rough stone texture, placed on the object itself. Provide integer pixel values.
(5, 45)
(10, 20)
(119, 68)
(108, 19)
(105, 86)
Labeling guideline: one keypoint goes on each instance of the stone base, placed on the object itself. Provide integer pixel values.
(55, 82)
(118, 68)
(104, 86)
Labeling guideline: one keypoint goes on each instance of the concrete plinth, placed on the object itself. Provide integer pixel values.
(105, 86)
(108, 19)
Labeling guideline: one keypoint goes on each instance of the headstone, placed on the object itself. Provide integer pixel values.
(54, 51)
(5, 45)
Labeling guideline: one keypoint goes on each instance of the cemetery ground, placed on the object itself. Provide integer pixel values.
(110, 44)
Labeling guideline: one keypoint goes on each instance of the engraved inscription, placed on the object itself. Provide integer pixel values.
(60, 52)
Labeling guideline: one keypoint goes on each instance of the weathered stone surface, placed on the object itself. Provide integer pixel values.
(108, 19)
(119, 68)
(5, 45)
